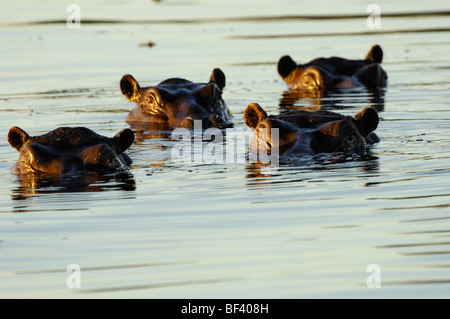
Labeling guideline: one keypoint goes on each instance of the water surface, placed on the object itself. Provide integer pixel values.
(226, 230)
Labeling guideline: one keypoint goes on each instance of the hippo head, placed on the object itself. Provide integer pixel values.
(70, 149)
(307, 133)
(178, 102)
(329, 74)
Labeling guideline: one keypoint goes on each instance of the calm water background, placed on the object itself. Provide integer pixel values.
(171, 230)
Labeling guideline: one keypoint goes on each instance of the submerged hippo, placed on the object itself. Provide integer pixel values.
(331, 74)
(302, 132)
(70, 149)
(178, 102)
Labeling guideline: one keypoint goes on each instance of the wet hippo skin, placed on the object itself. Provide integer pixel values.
(178, 102)
(66, 150)
(302, 132)
(335, 73)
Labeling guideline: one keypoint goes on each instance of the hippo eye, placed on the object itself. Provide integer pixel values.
(109, 161)
(351, 139)
(150, 99)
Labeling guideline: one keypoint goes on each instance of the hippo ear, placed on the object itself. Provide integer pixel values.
(218, 77)
(208, 91)
(17, 137)
(286, 65)
(124, 139)
(367, 120)
(130, 87)
(254, 114)
(375, 54)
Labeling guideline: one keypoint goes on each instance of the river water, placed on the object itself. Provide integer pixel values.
(373, 226)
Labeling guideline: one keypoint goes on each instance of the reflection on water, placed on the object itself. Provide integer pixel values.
(297, 169)
(145, 134)
(34, 184)
(315, 100)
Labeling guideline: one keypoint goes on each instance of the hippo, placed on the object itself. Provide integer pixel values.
(177, 102)
(302, 132)
(325, 75)
(67, 150)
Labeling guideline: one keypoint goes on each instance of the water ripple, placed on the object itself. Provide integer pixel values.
(163, 285)
(268, 18)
